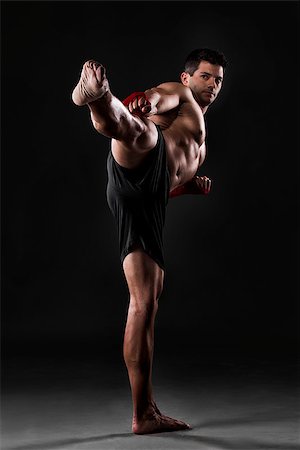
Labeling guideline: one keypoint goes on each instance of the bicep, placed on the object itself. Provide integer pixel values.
(177, 90)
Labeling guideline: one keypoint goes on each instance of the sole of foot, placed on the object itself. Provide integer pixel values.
(92, 84)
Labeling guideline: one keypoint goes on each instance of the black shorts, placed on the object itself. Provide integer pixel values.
(138, 200)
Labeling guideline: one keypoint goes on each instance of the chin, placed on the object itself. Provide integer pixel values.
(210, 102)
(204, 104)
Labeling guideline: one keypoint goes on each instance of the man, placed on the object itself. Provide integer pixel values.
(158, 144)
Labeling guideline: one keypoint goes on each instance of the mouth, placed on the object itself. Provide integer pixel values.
(209, 92)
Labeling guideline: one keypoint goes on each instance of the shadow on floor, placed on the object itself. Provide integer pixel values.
(49, 445)
(238, 444)
(259, 417)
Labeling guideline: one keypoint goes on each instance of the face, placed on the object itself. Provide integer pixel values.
(205, 83)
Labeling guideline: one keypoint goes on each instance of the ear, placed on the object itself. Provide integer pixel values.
(185, 78)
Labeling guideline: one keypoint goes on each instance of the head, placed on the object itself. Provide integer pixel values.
(203, 74)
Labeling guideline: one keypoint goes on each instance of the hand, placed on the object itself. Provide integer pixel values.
(138, 103)
(139, 106)
(199, 185)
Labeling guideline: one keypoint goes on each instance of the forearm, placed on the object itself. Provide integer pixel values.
(168, 96)
(158, 100)
(195, 186)
(161, 101)
(178, 191)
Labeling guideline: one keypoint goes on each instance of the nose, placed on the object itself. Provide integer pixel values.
(212, 83)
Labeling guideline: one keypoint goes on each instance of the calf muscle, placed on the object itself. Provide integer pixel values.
(111, 118)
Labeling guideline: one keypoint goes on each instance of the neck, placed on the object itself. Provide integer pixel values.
(203, 108)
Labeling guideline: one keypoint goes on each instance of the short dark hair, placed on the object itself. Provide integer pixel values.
(203, 54)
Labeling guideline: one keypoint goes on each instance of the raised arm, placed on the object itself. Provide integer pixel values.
(167, 96)
(158, 100)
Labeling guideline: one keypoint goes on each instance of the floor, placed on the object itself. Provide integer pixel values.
(232, 403)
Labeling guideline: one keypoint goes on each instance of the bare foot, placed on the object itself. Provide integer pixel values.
(155, 422)
(92, 85)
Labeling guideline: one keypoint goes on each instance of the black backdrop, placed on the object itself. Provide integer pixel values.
(231, 256)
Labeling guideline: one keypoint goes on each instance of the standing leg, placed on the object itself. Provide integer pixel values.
(145, 280)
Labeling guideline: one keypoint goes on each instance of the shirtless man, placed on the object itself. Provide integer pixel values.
(158, 144)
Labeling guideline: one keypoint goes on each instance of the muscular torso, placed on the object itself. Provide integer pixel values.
(183, 129)
(184, 132)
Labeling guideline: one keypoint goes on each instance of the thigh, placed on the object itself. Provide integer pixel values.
(143, 275)
(131, 151)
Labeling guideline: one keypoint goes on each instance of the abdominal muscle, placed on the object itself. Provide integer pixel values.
(184, 133)
(183, 161)
(184, 153)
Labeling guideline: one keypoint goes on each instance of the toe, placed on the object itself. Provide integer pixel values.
(99, 73)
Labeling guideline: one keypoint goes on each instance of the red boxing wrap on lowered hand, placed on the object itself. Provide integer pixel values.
(134, 95)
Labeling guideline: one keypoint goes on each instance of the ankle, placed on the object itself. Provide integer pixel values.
(104, 98)
(144, 412)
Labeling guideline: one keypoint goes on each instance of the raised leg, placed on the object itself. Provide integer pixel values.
(109, 116)
(145, 280)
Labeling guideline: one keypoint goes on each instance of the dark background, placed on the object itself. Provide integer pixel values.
(231, 257)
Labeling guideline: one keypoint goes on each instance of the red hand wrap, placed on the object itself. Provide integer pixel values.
(134, 95)
(180, 190)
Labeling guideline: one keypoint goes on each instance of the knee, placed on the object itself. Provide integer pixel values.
(143, 306)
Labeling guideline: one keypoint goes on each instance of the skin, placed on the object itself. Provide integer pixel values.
(178, 108)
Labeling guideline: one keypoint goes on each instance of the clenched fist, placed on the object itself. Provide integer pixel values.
(138, 103)
(196, 186)
(201, 185)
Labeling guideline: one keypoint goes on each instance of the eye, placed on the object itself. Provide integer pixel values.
(218, 81)
(205, 77)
